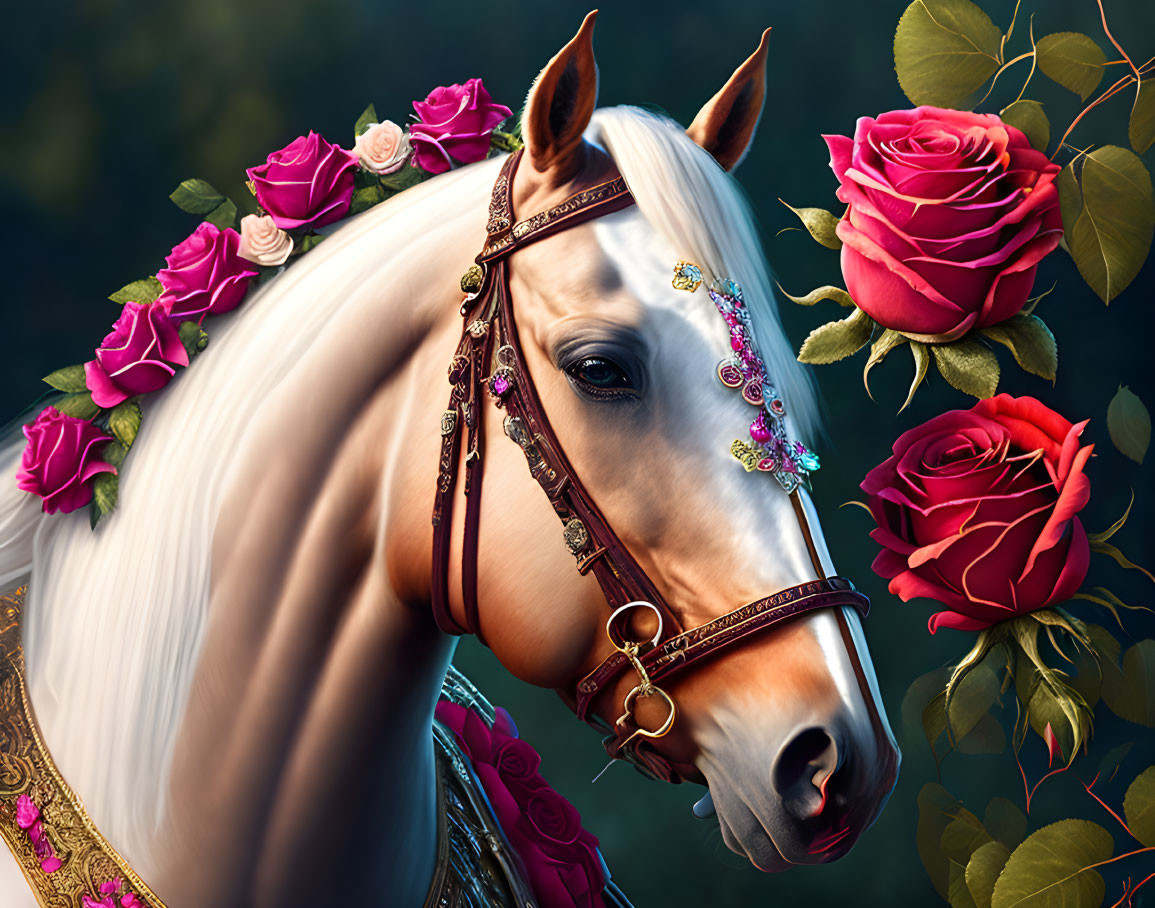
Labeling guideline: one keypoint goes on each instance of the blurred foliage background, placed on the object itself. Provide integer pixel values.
(108, 104)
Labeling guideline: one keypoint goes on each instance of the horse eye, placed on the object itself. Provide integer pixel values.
(601, 378)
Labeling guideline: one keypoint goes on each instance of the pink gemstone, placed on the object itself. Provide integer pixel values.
(500, 385)
(777, 406)
(767, 465)
(788, 465)
(735, 343)
(759, 431)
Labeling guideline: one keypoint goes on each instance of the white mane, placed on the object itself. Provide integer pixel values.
(114, 619)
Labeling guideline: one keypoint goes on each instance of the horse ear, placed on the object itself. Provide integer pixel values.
(725, 125)
(560, 105)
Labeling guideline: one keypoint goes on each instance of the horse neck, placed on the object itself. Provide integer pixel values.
(220, 493)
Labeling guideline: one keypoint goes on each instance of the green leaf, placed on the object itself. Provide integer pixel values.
(920, 693)
(1139, 806)
(309, 241)
(124, 422)
(1141, 128)
(78, 405)
(820, 223)
(146, 290)
(368, 118)
(1028, 116)
(1051, 868)
(1030, 341)
(837, 340)
(937, 809)
(1130, 693)
(1128, 422)
(104, 494)
(70, 378)
(1058, 705)
(921, 362)
(983, 869)
(987, 737)
(1070, 198)
(970, 700)
(366, 198)
(963, 836)
(883, 344)
(1005, 822)
(402, 179)
(114, 453)
(194, 338)
(223, 216)
(1111, 236)
(944, 50)
(958, 894)
(968, 365)
(196, 197)
(827, 292)
(1071, 59)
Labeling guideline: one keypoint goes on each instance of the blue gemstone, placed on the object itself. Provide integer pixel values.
(809, 461)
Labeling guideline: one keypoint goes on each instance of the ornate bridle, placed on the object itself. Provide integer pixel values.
(489, 355)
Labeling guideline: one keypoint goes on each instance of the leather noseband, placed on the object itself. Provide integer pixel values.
(490, 356)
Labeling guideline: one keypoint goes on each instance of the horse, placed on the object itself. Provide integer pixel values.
(237, 671)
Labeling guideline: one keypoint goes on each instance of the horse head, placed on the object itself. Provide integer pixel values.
(786, 728)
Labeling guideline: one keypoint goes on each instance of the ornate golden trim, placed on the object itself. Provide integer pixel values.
(26, 767)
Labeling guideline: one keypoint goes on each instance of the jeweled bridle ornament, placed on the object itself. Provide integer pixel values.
(489, 362)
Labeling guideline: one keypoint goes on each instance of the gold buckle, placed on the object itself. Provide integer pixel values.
(645, 687)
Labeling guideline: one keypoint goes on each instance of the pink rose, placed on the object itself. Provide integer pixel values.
(949, 214)
(553, 818)
(263, 242)
(308, 182)
(978, 510)
(59, 463)
(205, 274)
(139, 355)
(455, 125)
(383, 148)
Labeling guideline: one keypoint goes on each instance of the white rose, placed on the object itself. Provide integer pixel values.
(382, 148)
(263, 242)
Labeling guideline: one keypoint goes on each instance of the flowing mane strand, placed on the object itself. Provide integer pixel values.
(702, 211)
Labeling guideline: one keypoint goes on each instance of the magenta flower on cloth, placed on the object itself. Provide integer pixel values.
(60, 461)
(139, 355)
(978, 510)
(949, 213)
(454, 125)
(560, 857)
(309, 182)
(205, 274)
(28, 819)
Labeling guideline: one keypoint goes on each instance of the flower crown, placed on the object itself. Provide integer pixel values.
(76, 444)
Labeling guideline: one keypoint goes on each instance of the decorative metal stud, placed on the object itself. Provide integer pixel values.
(576, 535)
(472, 279)
(517, 430)
(687, 276)
(448, 422)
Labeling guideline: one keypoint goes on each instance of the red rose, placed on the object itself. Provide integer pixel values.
(949, 214)
(560, 858)
(205, 274)
(976, 509)
(139, 355)
(308, 182)
(61, 460)
(455, 123)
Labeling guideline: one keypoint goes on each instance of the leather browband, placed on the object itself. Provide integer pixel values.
(490, 354)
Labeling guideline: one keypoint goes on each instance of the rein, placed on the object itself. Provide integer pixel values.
(489, 355)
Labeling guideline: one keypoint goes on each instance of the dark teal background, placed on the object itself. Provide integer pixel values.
(109, 104)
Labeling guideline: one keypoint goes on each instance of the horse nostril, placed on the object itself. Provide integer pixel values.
(802, 771)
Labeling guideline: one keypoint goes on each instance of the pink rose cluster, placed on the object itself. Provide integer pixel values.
(107, 897)
(560, 858)
(305, 185)
(28, 819)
